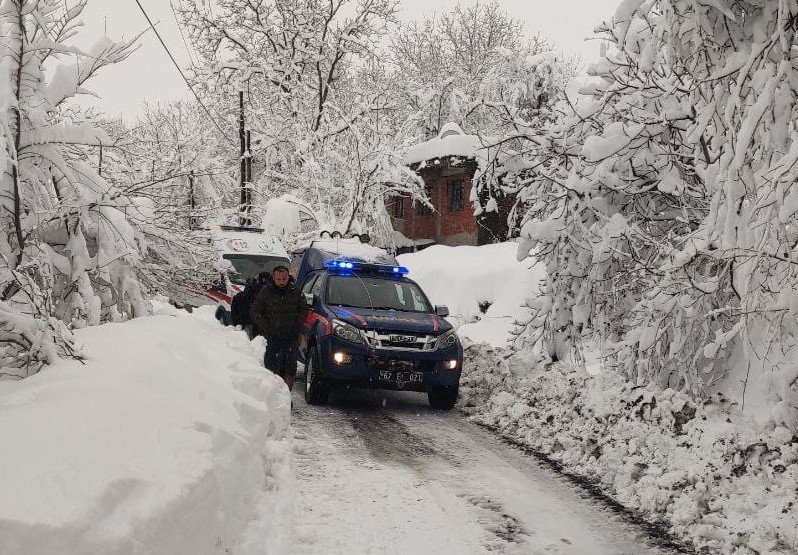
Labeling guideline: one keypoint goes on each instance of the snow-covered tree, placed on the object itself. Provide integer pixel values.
(173, 161)
(319, 131)
(518, 103)
(51, 198)
(666, 215)
(76, 248)
(442, 61)
(174, 156)
(475, 66)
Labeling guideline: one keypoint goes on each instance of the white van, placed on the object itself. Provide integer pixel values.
(244, 253)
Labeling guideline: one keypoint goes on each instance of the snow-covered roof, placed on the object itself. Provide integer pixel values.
(450, 142)
(403, 241)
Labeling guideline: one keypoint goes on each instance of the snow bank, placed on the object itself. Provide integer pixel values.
(712, 475)
(170, 439)
(470, 279)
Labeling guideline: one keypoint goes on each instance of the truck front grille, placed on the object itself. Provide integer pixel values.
(401, 341)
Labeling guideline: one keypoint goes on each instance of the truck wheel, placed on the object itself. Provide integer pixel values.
(317, 391)
(222, 316)
(443, 398)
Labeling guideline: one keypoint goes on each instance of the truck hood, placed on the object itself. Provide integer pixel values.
(392, 320)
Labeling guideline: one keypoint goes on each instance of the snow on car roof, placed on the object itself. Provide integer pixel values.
(251, 242)
(319, 251)
(353, 248)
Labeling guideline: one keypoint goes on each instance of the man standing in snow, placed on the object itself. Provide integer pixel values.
(278, 312)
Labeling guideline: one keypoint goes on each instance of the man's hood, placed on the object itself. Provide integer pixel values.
(392, 320)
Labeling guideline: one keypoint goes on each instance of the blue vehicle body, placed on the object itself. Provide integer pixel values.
(369, 345)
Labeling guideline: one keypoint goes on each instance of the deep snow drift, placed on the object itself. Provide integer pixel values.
(484, 287)
(714, 476)
(170, 439)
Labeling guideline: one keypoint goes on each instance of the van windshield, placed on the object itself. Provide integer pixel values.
(376, 293)
(246, 266)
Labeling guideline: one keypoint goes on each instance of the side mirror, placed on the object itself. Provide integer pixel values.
(310, 299)
(442, 310)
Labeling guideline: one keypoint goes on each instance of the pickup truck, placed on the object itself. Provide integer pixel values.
(369, 325)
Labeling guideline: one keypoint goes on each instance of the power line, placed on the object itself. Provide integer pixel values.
(180, 28)
(180, 70)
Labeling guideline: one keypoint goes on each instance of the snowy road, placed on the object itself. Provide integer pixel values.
(382, 473)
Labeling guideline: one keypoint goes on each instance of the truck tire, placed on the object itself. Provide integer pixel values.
(443, 398)
(317, 391)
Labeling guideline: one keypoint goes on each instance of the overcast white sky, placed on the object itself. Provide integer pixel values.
(149, 75)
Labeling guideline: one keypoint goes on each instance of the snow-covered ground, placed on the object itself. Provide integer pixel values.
(484, 287)
(170, 438)
(381, 472)
(715, 477)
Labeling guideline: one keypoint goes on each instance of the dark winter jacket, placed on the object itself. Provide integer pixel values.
(279, 313)
(242, 303)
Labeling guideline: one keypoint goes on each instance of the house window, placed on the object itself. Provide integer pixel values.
(398, 208)
(423, 208)
(456, 196)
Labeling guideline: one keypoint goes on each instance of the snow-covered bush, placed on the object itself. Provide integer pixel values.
(713, 476)
(665, 208)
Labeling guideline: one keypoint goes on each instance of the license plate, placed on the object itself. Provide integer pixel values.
(401, 377)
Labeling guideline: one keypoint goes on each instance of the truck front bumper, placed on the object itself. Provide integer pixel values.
(407, 370)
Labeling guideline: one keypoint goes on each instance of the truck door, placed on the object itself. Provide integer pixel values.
(307, 328)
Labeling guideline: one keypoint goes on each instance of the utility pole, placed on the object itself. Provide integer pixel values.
(246, 197)
(249, 167)
(192, 203)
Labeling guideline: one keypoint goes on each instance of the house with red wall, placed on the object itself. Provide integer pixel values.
(447, 164)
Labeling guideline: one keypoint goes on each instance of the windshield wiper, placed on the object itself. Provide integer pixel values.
(344, 305)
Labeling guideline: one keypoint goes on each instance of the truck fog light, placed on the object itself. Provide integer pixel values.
(342, 358)
(450, 364)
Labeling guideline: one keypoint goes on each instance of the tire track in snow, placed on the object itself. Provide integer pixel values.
(382, 473)
(390, 440)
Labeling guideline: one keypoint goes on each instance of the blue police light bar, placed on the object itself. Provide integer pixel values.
(349, 265)
(341, 265)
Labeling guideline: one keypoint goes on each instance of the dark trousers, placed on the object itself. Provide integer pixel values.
(281, 357)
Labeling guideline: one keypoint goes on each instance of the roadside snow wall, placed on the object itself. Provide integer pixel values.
(715, 477)
(484, 287)
(170, 439)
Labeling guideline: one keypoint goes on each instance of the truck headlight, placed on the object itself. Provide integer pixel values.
(447, 340)
(347, 331)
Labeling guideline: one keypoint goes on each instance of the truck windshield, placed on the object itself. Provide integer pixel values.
(376, 293)
(247, 266)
